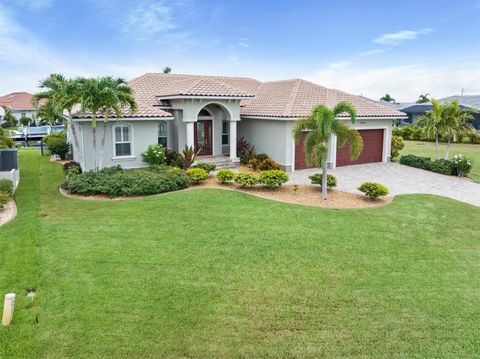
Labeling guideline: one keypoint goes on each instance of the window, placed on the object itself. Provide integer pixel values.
(225, 130)
(163, 134)
(122, 140)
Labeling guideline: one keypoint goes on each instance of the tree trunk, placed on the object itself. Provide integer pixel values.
(75, 136)
(324, 182)
(436, 146)
(102, 145)
(448, 149)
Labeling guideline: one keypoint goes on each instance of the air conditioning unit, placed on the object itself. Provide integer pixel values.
(8, 159)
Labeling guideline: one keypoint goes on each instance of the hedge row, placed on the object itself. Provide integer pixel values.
(445, 167)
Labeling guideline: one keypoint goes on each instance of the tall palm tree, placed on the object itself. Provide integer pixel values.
(49, 113)
(321, 124)
(423, 98)
(62, 94)
(456, 122)
(432, 123)
(387, 98)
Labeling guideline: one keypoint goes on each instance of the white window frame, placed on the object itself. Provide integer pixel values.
(167, 134)
(114, 142)
(226, 133)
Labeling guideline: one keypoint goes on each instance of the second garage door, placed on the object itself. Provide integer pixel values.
(372, 149)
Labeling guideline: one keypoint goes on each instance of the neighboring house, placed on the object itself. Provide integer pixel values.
(212, 112)
(414, 110)
(20, 103)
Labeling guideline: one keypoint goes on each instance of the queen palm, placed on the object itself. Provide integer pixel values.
(321, 124)
(455, 122)
(432, 123)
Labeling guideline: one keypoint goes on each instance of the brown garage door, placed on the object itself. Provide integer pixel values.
(300, 155)
(372, 149)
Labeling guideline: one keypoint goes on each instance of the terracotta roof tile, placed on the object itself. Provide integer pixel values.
(17, 101)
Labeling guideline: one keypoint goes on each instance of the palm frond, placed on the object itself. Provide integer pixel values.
(344, 106)
(351, 136)
(302, 125)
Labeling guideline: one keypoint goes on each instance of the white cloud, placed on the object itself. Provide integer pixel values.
(397, 38)
(403, 82)
(35, 4)
(371, 52)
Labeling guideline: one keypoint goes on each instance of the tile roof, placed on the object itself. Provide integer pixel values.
(17, 101)
(472, 101)
(296, 98)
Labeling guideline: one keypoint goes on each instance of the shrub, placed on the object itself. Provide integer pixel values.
(174, 159)
(73, 171)
(57, 144)
(224, 175)
(4, 198)
(373, 190)
(6, 186)
(439, 166)
(115, 182)
(70, 164)
(246, 179)
(317, 179)
(206, 166)
(189, 156)
(397, 145)
(263, 165)
(415, 161)
(272, 178)
(24, 120)
(154, 155)
(197, 174)
(6, 142)
(245, 151)
(461, 165)
(262, 157)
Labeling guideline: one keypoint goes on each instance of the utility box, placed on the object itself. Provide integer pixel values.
(8, 159)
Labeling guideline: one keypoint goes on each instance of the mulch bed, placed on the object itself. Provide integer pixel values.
(8, 212)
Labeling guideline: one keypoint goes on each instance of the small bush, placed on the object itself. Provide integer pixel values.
(154, 155)
(272, 178)
(6, 142)
(224, 175)
(57, 144)
(373, 190)
(73, 171)
(6, 186)
(115, 182)
(197, 175)
(206, 166)
(462, 165)
(445, 167)
(67, 165)
(397, 146)
(246, 179)
(174, 159)
(257, 164)
(262, 157)
(4, 198)
(415, 161)
(317, 179)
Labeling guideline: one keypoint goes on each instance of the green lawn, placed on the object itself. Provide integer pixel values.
(212, 273)
(427, 149)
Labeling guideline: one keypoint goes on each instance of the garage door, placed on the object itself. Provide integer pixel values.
(372, 149)
(300, 155)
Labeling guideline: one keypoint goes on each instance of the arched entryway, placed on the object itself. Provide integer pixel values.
(203, 135)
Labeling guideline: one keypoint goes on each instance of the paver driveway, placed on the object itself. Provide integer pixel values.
(399, 179)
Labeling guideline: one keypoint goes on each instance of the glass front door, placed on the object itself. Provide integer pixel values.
(203, 137)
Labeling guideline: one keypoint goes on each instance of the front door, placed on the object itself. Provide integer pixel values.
(203, 137)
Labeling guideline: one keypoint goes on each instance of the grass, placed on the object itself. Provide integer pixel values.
(427, 149)
(212, 273)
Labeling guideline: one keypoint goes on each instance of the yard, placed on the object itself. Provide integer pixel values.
(213, 273)
(427, 149)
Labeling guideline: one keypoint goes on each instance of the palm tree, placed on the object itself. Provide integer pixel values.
(49, 113)
(321, 124)
(423, 98)
(455, 122)
(387, 98)
(432, 123)
(167, 69)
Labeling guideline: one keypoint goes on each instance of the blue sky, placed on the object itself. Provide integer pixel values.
(404, 47)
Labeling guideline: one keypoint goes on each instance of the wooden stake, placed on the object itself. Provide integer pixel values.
(8, 307)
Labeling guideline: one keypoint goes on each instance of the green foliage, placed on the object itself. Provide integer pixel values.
(412, 132)
(67, 165)
(6, 186)
(317, 179)
(246, 179)
(245, 151)
(9, 120)
(73, 171)
(114, 182)
(373, 190)
(154, 155)
(57, 144)
(397, 146)
(174, 159)
(197, 175)
(24, 120)
(262, 156)
(272, 178)
(206, 166)
(439, 166)
(259, 164)
(4, 198)
(189, 156)
(387, 98)
(6, 142)
(224, 175)
(462, 165)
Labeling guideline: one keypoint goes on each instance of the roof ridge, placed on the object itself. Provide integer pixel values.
(292, 97)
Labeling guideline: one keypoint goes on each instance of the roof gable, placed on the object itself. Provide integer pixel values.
(17, 101)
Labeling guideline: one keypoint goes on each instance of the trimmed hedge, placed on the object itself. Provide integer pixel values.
(317, 179)
(114, 182)
(272, 178)
(197, 175)
(205, 166)
(373, 190)
(224, 175)
(246, 179)
(445, 167)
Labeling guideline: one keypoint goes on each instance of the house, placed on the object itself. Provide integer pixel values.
(20, 103)
(211, 113)
(414, 110)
